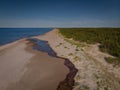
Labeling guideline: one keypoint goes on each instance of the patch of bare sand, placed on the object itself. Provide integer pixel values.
(22, 68)
(13, 58)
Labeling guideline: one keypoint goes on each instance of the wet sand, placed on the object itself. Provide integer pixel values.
(22, 68)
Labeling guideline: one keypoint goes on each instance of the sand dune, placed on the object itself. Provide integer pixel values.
(93, 71)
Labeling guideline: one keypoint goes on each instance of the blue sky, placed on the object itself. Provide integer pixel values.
(59, 13)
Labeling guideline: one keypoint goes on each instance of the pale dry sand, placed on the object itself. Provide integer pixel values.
(94, 73)
(22, 68)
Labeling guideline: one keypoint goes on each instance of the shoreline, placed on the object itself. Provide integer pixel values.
(69, 79)
(36, 68)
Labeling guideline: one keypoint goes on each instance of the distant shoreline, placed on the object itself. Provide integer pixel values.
(9, 35)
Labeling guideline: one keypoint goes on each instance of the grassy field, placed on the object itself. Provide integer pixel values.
(108, 37)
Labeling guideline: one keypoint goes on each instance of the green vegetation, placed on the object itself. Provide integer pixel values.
(115, 61)
(76, 49)
(108, 37)
(70, 54)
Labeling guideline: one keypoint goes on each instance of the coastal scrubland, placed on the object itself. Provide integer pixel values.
(109, 39)
(94, 73)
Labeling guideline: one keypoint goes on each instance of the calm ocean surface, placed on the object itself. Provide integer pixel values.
(8, 35)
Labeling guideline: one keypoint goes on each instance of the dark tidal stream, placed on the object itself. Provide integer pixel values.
(68, 82)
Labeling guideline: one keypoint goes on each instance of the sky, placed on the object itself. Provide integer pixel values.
(59, 13)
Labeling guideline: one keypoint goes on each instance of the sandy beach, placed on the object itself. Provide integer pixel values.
(94, 73)
(22, 68)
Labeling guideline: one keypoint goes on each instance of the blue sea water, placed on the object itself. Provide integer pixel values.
(8, 35)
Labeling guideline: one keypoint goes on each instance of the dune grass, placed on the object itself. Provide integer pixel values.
(108, 37)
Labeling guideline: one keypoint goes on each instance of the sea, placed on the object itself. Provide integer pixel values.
(8, 35)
